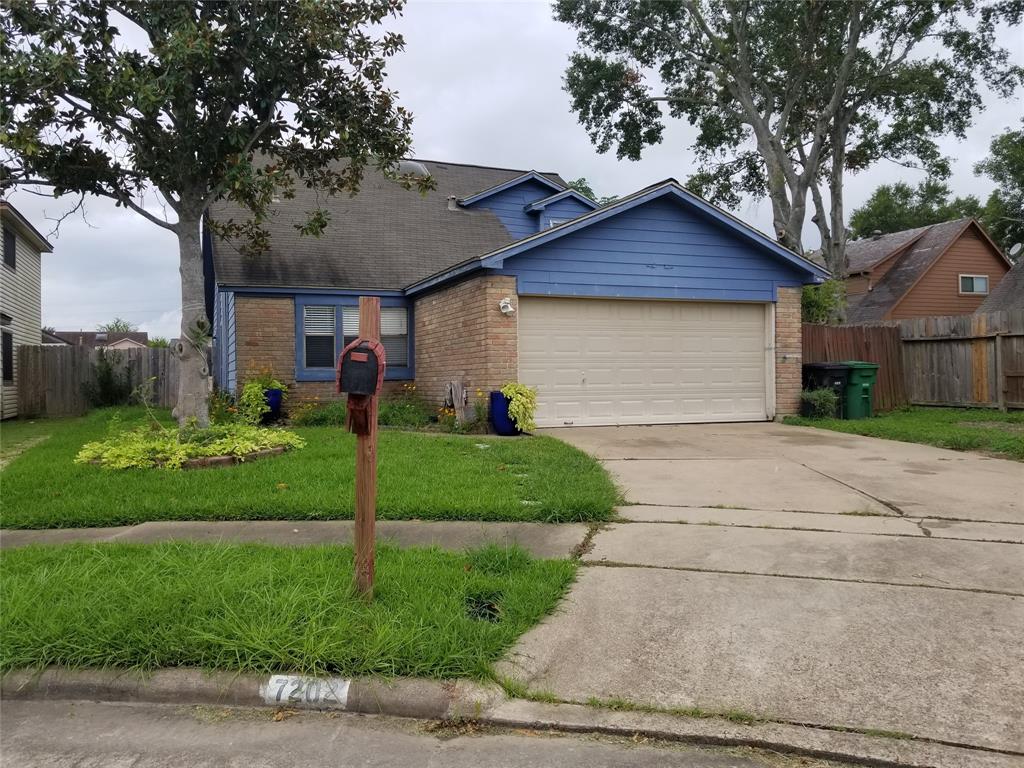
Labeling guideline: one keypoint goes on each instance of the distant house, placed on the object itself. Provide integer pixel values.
(656, 308)
(942, 269)
(20, 297)
(1009, 294)
(51, 339)
(102, 339)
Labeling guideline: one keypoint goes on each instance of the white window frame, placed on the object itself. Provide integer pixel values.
(960, 285)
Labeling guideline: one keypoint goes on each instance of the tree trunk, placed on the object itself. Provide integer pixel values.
(194, 368)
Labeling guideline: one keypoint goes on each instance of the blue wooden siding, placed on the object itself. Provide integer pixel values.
(563, 210)
(508, 206)
(661, 249)
(224, 352)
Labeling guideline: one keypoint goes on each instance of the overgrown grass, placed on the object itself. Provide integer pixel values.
(428, 476)
(260, 608)
(960, 429)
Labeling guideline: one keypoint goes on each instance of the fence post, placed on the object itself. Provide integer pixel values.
(1000, 374)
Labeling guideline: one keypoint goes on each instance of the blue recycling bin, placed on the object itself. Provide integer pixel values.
(274, 398)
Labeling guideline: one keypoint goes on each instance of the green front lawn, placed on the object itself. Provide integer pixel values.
(420, 475)
(260, 608)
(961, 429)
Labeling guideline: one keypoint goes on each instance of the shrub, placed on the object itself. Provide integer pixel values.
(403, 412)
(155, 446)
(222, 407)
(313, 415)
(110, 384)
(823, 304)
(522, 404)
(820, 403)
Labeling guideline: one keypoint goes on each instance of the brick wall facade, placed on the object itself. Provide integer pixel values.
(461, 334)
(788, 358)
(265, 340)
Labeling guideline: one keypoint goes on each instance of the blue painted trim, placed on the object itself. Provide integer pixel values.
(302, 373)
(495, 259)
(540, 205)
(528, 176)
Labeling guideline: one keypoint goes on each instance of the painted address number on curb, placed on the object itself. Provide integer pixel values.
(309, 692)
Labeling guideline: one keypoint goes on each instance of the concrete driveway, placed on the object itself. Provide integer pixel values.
(802, 576)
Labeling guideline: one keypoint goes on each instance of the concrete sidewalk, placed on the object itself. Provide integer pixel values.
(539, 539)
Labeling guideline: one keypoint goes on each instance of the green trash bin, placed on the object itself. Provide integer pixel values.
(859, 389)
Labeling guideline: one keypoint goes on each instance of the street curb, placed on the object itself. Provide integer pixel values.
(460, 700)
(401, 697)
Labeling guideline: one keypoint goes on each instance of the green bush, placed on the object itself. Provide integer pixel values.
(311, 415)
(522, 404)
(403, 412)
(157, 446)
(110, 384)
(823, 304)
(820, 403)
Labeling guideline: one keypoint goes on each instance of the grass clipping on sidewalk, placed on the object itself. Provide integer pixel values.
(261, 608)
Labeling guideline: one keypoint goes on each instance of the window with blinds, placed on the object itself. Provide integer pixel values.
(318, 328)
(394, 332)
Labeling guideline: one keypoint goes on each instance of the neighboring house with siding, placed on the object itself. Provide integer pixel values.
(21, 314)
(942, 269)
(105, 339)
(656, 308)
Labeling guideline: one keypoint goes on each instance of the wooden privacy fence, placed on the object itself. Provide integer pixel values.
(967, 360)
(51, 378)
(870, 343)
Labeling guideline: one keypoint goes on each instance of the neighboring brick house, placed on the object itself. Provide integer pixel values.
(20, 298)
(942, 269)
(656, 308)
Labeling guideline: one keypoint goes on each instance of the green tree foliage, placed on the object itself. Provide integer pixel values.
(823, 304)
(1004, 210)
(582, 186)
(117, 325)
(895, 207)
(787, 95)
(158, 342)
(186, 103)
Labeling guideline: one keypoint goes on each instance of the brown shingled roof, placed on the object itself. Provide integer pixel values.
(1008, 293)
(923, 252)
(385, 237)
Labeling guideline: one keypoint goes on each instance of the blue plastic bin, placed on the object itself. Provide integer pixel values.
(500, 420)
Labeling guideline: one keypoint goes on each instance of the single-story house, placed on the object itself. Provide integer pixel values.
(105, 339)
(51, 339)
(656, 308)
(941, 269)
(21, 298)
(1008, 295)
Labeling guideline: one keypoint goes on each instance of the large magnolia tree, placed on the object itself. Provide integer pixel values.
(788, 95)
(170, 105)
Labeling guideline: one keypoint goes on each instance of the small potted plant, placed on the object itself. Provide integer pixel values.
(512, 409)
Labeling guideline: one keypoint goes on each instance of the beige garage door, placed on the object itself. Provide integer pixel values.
(607, 361)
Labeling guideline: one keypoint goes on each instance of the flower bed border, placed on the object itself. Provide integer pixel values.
(202, 462)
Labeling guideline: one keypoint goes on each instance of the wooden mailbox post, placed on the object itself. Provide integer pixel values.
(366, 467)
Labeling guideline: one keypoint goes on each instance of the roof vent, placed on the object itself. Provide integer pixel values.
(453, 203)
(876, 234)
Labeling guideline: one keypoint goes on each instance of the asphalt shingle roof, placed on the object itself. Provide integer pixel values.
(384, 238)
(1008, 293)
(899, 279)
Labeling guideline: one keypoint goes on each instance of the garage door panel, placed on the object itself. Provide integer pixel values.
(605, 361)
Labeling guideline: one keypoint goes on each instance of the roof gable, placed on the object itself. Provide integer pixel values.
(669, 190)
(527, 177)
(540, 205)
(925, 252)
(12, 217)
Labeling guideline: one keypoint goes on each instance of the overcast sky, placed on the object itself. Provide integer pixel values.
(484, 81)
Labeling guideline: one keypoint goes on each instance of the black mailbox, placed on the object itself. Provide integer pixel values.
(361, 376)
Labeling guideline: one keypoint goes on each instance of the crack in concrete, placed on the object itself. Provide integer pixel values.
(691, 569)
(883, 502)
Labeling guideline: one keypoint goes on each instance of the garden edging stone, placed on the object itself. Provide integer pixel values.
(460, 700)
